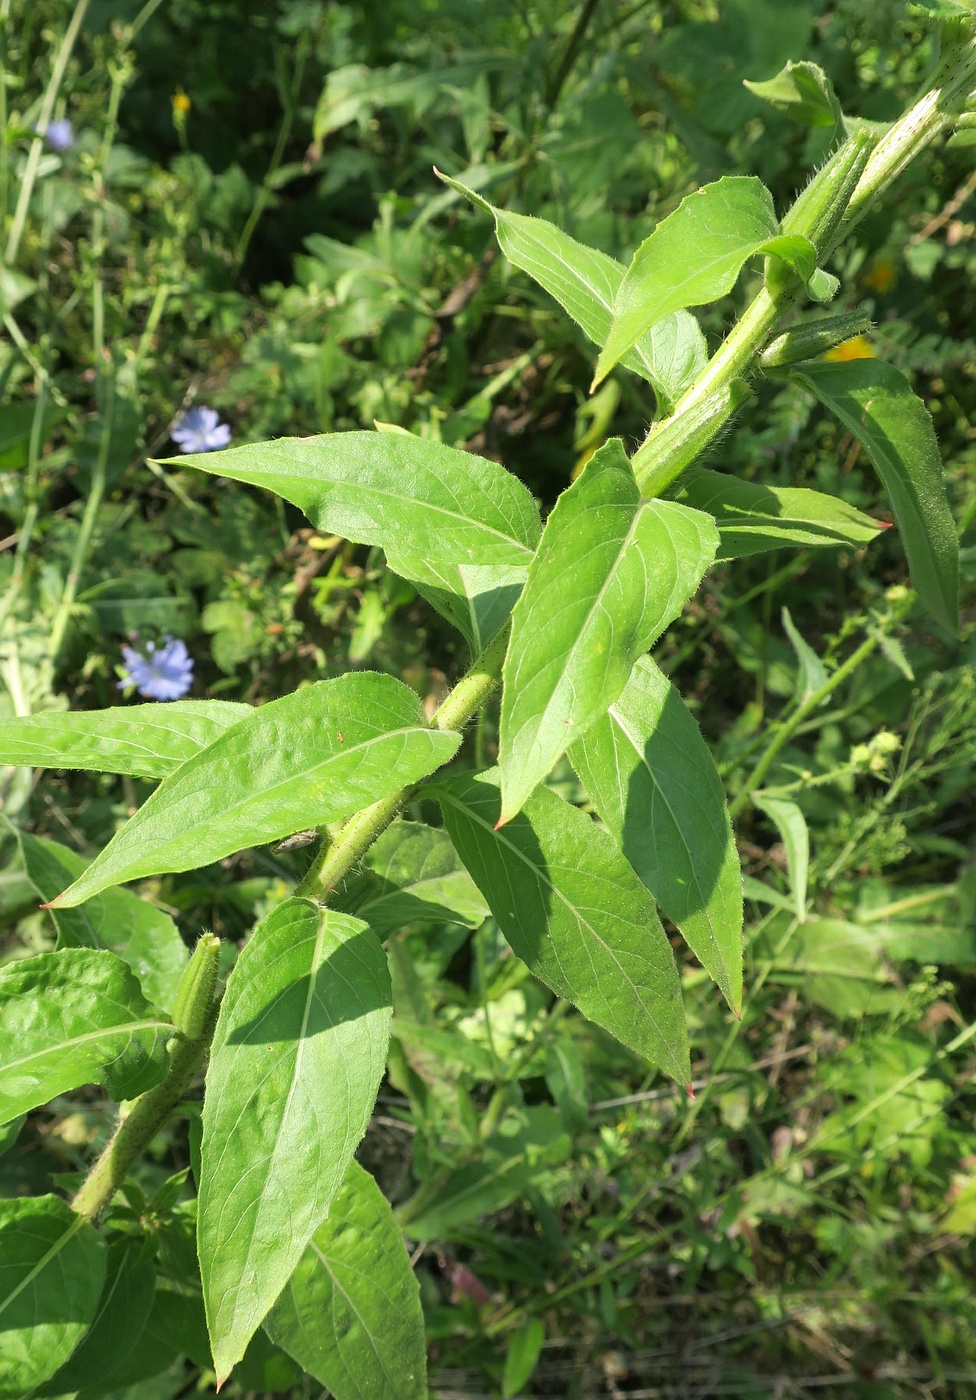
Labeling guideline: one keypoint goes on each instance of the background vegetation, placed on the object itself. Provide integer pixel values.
(248, 219)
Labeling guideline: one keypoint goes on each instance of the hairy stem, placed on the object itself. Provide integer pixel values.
(140, 1125)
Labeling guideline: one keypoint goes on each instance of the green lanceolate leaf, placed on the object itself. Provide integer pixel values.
(350, 1314)
(132, 928)
(574, 912)
(812, 674)
(752, 518)
(52, 1265)
(611, 572)
(117, 1326)
(801, 91)
(73, 1018)
(792, 827)
(297, 1058)
(414, 873)
(393, 490)
(475, 598)
(585, 282)
(317, 754)
(695, 256)
(524, 1351)
(875, 402)
(146, 741)
(652, 780)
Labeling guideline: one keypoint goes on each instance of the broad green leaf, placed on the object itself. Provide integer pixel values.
(320, 753)
(652, 780)
(585, 282)
(792, 827)
(695, 256)
(120, 1317)
(812, 674)
(393, 490)
(524, 1148)
(16, 428)
(146, 741)
(132, 928)
(72, 1018)
(752, 518)
(801, 91)
(413, 872)
(475, 598)
(876, 403)
(297, 1058)
(575, 913)
(612, 570)
(524, 1351)
(350, 1314)
(52, 1265)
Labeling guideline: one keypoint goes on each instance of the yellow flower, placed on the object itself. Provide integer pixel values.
(881, 276)
(181, 103)
(857, 349)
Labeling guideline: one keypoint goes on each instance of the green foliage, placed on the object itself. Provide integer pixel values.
(496, 973)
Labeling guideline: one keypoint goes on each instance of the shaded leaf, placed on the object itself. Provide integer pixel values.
(792, 827)
(414, 873)
(320, 753)
(651, 778)
(811, 674)
(475, 598)
(801, 91)
(612, 570)
(876, 403)
(350, 1313)
(393, 490)
(297, 1058)
(574, 911)
(146, 741)
(73, 1018)
(136, 931)
(52, 1265)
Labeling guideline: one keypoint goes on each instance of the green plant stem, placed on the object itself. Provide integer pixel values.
(37, 145)
(290, 103)
(571, 52)
(704, 409)
(789, 727)
(140, 1125)
(337, 858)
(87, 528)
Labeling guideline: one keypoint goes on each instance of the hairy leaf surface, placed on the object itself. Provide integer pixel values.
(575, 913)
(393, 490)
(876, 403)
(145, 741)
(350, 1313)
(297, 1058)
(611, 572)
(320, 753)
(652, 780)
(71, 1018)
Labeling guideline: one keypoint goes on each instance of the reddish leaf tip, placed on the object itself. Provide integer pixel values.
(690, 1092)
(884, 524)
(502, 821)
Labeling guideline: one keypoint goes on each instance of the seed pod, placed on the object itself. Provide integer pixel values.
(194, 995)
(806, 342)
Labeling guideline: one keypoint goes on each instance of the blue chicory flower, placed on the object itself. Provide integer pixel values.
(60, 134)
(165, 673)
(200, 430)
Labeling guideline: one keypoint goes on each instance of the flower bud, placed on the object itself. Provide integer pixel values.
(194, 995)
(813, 338)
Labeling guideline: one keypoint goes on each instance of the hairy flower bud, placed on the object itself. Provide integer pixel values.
(194, 995)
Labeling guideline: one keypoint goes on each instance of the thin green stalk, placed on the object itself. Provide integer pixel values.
(140, 1125)
(31, 513)
(37, 145)
(20, 340)
(789, 727)
(337, 858)
(290, 104)
(87, 528)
